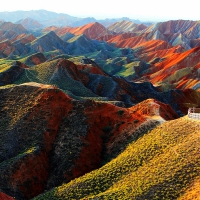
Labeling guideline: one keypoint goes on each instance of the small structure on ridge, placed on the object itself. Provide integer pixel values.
(194, 113)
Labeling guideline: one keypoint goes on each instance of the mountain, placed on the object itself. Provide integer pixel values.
(117, 53)
(50, 138)
(169, 66)
(81, 44)
(156, 46)
(34, 59)
(59, 20)
(83, 21)
(8, 49)
(17, 28)
(29, 23)
(175, 32)
(13, 39)
(48, 42)
(23, 38)
(96, 30)
(52, 45)
(180, 70)
(87, 80)
(126, 26)
(92, 30)
(44, 18)
(92, 113)
(10, 31)
(11, 74)
(125, 40)
(108, 22)
(72, 44)
(48, 18)
(38, 15)
(162, 164)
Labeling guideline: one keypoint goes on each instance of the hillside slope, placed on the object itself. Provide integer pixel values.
(180, 70)
(162, 164)
(47, 138)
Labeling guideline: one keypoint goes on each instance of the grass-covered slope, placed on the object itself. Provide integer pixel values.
(47, 138)
(30, 117)
(162, 164)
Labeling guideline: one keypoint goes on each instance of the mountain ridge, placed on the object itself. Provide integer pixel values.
(48, 18)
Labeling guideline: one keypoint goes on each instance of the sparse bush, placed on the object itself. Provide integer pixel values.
(107, 129)
(120, 112)
(136, 121)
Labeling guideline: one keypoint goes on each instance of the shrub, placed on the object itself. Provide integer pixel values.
(136, 120)
(120, 112)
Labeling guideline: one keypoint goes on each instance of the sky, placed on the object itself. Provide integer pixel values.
(148, 10)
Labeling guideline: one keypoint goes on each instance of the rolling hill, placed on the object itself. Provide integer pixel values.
(47, 137)
(162, 164)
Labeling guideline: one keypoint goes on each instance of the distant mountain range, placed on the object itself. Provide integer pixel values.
(29, 23)
(48, 18)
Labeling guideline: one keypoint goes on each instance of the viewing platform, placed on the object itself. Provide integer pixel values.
(194, 113)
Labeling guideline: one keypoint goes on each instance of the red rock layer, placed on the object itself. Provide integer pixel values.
(48, 106)
(163, 53)
(175, 63)
(24, 38)
(91, 30)
(5, 197)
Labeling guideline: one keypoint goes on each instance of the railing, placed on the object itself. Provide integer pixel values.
(194, 113)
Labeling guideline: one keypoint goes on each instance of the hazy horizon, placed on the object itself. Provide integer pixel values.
(143, 10)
